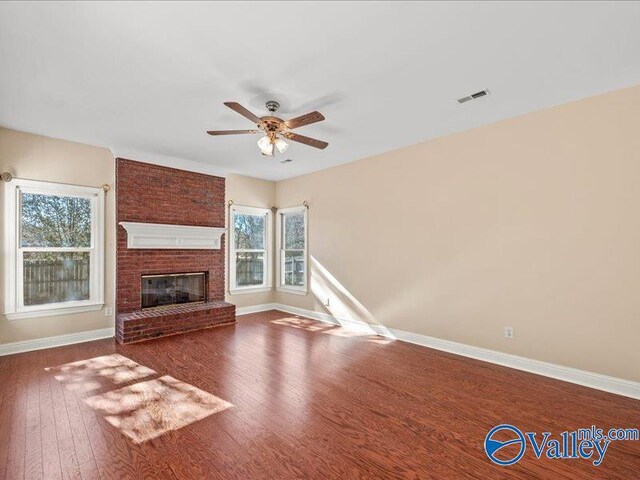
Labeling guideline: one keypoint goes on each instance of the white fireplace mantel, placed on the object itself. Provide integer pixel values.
(162, 236)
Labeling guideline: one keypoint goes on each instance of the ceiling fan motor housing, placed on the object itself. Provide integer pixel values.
(271, 124)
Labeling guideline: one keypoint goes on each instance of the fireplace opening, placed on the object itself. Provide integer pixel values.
(172, 289)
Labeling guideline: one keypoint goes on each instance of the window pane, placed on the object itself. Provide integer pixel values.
(294, 269)
(55, 221)
(55, 277)
(249, 231)
(249, 268)
(293, 230)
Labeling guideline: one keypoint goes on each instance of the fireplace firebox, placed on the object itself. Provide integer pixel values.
(172, 289)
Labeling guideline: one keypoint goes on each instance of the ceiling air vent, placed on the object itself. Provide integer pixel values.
(474, 96)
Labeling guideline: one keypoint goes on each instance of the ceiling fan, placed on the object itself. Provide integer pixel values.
(275, 128)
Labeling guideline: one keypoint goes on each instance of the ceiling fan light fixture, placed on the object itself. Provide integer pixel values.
(266, 146)
(281, 145)
(264, 142)
(269, 151)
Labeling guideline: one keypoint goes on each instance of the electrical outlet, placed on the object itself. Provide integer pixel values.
(326, 302)
(108, 311)
(508, 332)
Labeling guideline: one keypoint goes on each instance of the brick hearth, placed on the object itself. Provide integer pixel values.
(153, 194)
(146, 324)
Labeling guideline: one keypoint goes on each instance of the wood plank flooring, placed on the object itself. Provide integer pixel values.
(280, 397)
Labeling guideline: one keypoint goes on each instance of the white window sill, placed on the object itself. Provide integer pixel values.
(243, 291)
(53, 311)
(295, 291)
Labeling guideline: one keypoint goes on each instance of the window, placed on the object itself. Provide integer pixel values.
(292, 246)
(250, 246)
(54, 239)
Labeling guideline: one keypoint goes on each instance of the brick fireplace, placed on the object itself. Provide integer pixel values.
(154, 194)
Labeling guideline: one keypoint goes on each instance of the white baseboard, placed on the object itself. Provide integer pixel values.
(58, 341)
(256, 308)
(598, 381)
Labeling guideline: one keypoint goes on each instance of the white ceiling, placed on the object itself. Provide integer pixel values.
(151, 77)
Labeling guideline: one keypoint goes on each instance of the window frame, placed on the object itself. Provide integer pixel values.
(297, 290)
(14, 308)
(266, 285)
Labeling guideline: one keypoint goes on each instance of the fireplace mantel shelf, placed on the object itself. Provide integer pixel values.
(163, 236)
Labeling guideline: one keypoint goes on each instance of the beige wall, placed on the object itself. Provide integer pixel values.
(531, 222)
(250, 192)
(42, 158)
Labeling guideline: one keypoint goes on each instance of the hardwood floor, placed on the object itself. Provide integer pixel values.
(279, 397)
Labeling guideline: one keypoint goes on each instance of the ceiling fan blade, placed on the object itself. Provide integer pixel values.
(236, 107)
(230, 132)
(312, 142)
(303, 120)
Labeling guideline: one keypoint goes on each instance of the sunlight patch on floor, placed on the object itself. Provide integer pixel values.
(302, 323)
(380, 340)
(97, 372)
(149, 409)
(363, 332)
